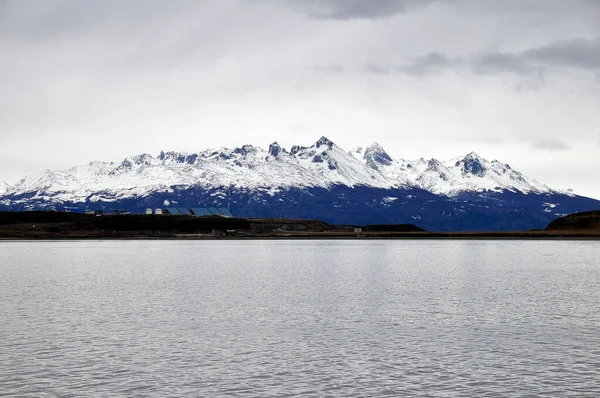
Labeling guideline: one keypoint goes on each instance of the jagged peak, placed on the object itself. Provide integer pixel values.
(168, 155)
(324, 141)
(472, 155)
(376, 156)
(297, 148)
(275, 149)
(322, 164)
(374, 147)
(245, 149)
(472, 164)
(131, 161)
(141, 158)
(434, 165)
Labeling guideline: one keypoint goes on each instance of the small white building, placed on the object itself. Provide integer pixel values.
(148, 211)
(158, 211)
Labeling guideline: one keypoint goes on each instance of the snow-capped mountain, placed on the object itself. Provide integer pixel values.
(323, 164)
(278, 182)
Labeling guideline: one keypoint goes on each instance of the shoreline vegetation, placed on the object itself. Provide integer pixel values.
(43, 225)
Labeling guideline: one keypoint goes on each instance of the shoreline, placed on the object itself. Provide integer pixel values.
(396, 236)
(40, 225)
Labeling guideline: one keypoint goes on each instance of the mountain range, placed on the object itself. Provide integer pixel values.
(360, 186)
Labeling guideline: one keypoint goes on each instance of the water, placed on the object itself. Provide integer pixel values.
(300, 318)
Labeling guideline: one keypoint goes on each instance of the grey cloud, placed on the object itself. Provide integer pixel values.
(430, 63)
(525, 84)
(481, 63)
(497, 62)
(530, 65)
(356, 9)
(577, 53)
(551, 145)
(58, 18)
(377, 9)
(521, 75)
(521, 78)
(378, 69)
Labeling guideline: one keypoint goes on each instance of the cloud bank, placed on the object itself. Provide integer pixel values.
(516, 80)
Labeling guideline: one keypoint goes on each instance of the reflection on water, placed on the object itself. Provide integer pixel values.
(300, 318)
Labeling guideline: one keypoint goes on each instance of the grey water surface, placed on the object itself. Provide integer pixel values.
(300, 318)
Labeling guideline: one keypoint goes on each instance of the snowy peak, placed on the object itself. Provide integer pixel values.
(324, 141)
(166, 158)
(245, 150)
(476, 173)
(472, 164)
(275, 150)
(323, 165)
(436, 177)
(331, 165)
(435, 166)
(376, 156)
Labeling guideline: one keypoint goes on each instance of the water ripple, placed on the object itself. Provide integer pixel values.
(288, 319)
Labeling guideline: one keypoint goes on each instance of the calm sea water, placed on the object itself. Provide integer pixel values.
(300, 318)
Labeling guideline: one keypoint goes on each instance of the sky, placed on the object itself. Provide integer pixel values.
(513, 80)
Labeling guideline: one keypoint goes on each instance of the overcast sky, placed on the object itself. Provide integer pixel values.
(513, 80)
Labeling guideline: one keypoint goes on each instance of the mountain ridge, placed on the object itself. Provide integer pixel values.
(365, 186)
(322, 164)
